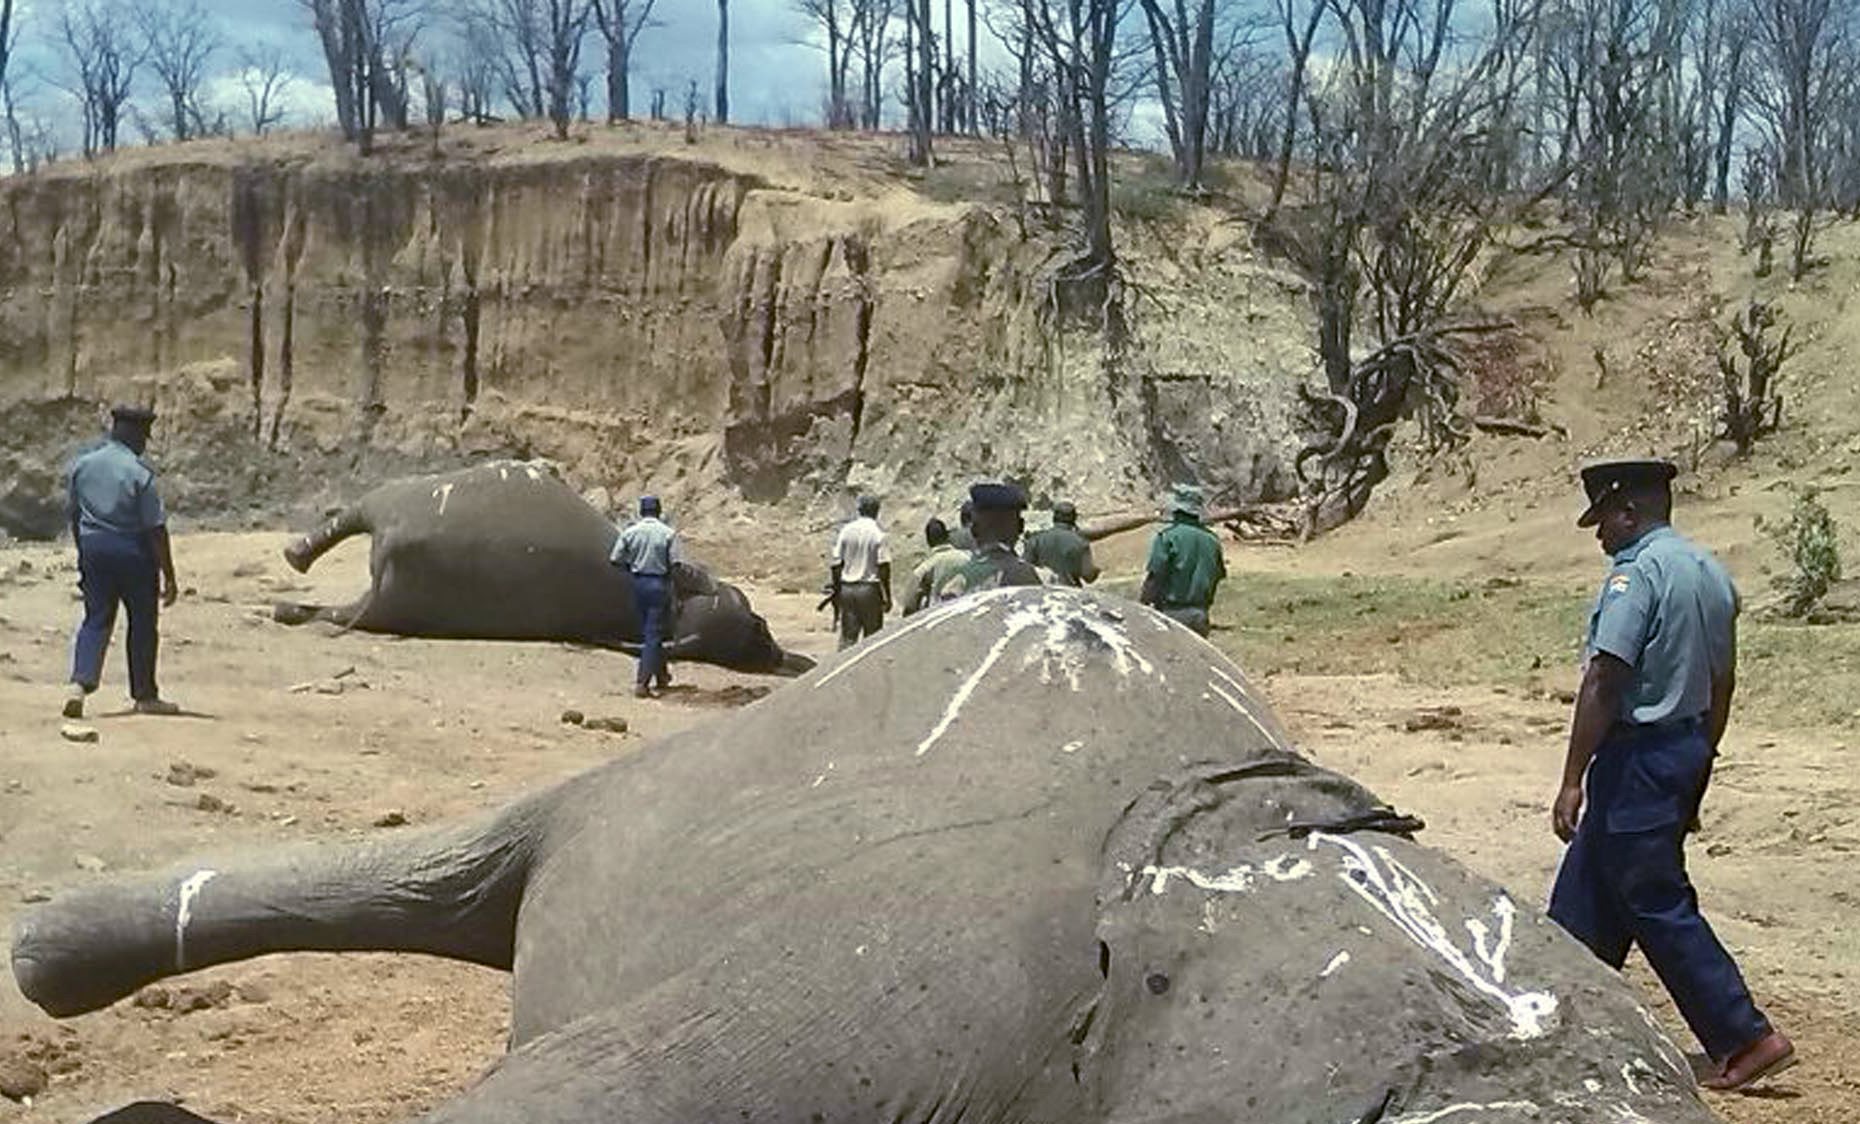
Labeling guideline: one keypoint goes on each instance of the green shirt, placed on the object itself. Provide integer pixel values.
(989, 567)
(931, 574)
(1186, 562)
(1061, 549)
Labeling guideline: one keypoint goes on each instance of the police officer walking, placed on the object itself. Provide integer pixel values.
(647, 549)
(124, 558)
(1061, 550)
(997, 525)
(1661, 662)
(1185, 566)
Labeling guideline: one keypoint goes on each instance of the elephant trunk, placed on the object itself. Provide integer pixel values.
(345, 523)
(451, 892)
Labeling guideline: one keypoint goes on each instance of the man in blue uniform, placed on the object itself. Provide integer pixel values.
(647, 549)
(124, 558)
(1661, 663)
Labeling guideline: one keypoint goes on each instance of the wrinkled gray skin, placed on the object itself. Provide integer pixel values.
(1003, 863)
(506, 551)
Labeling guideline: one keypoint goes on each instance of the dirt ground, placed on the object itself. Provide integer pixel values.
(301, 734)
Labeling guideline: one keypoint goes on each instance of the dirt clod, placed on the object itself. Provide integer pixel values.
(75, 732)
(20, 1077)
(612, 724)
(211, 803)
(572, 717)
(183, 774)
(395, 818)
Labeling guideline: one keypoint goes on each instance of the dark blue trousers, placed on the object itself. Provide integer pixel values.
(117, 569)
(652, 599)
(1623, 880)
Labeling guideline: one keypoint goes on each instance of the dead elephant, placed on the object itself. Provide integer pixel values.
(506, 551)
(1037, 855)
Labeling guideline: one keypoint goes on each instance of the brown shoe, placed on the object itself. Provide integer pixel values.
(642, 692)
(1766, 1057)
(157, 706)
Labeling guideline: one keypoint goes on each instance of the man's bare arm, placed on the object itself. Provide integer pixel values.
(1598, 706)
(164, 557)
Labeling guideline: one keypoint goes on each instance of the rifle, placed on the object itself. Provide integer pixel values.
(832, 598)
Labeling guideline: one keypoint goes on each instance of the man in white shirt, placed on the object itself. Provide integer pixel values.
(861, 574)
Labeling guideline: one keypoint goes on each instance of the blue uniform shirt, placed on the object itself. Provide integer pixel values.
(111, 489)
(1668, 610)
(647, 546)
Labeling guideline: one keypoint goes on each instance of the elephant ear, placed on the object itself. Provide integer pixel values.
(692, 580)
(151, 1112)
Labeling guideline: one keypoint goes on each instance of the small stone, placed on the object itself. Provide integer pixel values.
(75, 732)
(152, 998)
(183, 774)
(35, 895)
(395, 818)
(190, 999)
(1718, 850)
(251, 992)
(20, 1078)
(90, 863)
(610, 725)
(572, 717)
(211, 803)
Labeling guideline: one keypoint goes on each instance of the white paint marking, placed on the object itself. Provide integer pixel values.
(534, 472)
(1236, 880)
(1244, 712)
(1455, 1109)
(1071, 747)
(958, 700)
(1592, 1085)
(821, 779)
(920, 623)
(1285, 868)
(1336, 962)
(503, 471)
(1493, 955)
(184, 912)
(1405, 901)
(442, 494)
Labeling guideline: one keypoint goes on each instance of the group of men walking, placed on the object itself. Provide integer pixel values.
(1659, 673)
(1185, 565)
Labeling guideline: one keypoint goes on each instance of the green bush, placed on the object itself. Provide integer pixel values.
(1811, 542)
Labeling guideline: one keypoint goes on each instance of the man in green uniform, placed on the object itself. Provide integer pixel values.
(1185, 566)
(932, 572)
(1660, 669)
(997, 526)
(1061, 549)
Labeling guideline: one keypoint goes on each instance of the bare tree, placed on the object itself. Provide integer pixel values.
(265, 77)
(721, 102)
(1803, 45)
(873, 44)
(180, 41)
(1301, 28)
(1752, 402)
(566, 26)
(835, 19)
(1182, 38)
(620, 23)
(103, 56)
(920, 60)
(364, 43)
(9, 114)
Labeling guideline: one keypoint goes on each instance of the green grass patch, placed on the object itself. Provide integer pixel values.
(1497, 632)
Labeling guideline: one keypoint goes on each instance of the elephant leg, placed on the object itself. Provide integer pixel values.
(451, 891)
(344, 524)
(151, 1112)
(352, 615)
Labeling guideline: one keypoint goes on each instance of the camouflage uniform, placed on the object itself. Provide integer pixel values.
(989, 567)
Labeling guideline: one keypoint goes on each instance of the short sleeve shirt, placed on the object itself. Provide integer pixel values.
(1186, 561)
(989, 567)
(941, 565)
(860, 550)
(1668, 610)
(647, 546)
(1062, 550)
(112, 490)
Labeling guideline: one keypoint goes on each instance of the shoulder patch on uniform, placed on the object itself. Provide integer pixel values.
(1619, 583)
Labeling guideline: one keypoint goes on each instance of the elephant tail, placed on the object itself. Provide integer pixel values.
(344, 617)
(451, 891)
(303, 553)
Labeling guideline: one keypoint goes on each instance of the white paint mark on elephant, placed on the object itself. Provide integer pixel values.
(1244, 712)
(1636, 1067)
(975, 602)
(1406, 902)
(822, 778)
(442, 494)
(503, 472)
(533, 472)
(1592, 1085)
(184, 913)
(1235, 880)
(1074, 629)
(1453, 1110)
(1491, 952)
(1669, 1053)
(1336, 962)
(1071, 747)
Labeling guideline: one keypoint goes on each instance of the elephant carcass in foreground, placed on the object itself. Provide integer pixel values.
(506, 551)
(1036, 855)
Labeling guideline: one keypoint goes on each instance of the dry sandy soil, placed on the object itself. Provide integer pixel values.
(434, 729)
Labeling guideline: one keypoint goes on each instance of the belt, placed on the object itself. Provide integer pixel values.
(873, 581)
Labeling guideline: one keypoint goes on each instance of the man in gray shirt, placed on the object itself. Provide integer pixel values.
(647, 550)
(121, 532)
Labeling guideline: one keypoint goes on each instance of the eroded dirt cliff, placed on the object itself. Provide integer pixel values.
(767, 320)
